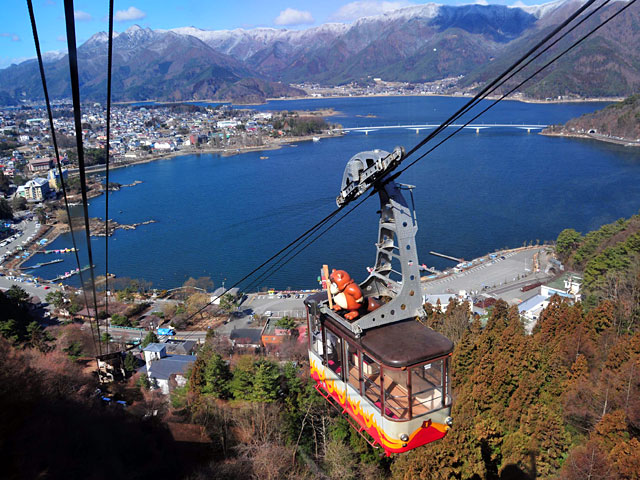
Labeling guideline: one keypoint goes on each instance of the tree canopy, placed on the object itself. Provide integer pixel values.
(6, 212)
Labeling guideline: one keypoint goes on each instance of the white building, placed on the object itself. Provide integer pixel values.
(220, 292)
(54, 178)
(567, 286)
(165, 146)
(34, 189)
(530, 310)
(160, 367)
(227, 124)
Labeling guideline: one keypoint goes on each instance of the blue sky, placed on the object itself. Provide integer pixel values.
(16, 39)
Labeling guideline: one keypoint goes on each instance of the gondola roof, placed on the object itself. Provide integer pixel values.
(397, 345)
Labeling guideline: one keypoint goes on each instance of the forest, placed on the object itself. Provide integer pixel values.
(561, 403)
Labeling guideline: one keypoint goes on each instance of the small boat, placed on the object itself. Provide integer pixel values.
(263, 158)
(316, 139)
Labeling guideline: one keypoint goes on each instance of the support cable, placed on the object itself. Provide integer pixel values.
(57, 153)
(461, 111)
(277, 267)
(75, 94)
(271, 270)
(491, 84)
(554, 59)
(106, 203)
(300, 238)
(458, 114)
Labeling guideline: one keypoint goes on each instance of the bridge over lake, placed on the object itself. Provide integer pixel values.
(473, 126)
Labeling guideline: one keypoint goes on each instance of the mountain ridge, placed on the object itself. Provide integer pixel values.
(420, 43)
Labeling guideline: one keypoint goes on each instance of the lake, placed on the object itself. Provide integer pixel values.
(222, 216)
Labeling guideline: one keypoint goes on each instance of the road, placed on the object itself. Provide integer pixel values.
(119, 333)
(26, 228)
(254, 305)
(29, 287)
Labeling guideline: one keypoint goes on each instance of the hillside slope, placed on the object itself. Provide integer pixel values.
(619, 122)
(606, 64)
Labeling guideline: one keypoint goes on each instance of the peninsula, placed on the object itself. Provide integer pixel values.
(616, 123)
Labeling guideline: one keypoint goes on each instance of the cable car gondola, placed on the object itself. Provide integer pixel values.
(372, 359)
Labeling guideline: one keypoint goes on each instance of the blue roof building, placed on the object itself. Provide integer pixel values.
(160, 367)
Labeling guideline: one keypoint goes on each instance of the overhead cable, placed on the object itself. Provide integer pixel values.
(513, 89)
(491, 84)
(36, 41)
(106, 202)
(75, 94)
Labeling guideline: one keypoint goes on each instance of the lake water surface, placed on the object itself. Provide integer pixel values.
(221, 216)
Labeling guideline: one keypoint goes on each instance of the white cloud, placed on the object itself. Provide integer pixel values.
(365, 8)
(131, 13)
(482, 2)
(291, 16)
(12, 36)
(81, 16)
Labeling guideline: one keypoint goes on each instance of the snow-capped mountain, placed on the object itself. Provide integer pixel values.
(415, 44)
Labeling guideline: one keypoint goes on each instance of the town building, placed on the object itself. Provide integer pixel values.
(111, 367)
(246, 337)
(440, 300)
(530, 310)
(160, 368)
(566, 286)
(273, 335)
(54, 178)
(39, 165)
(35, 189)
(180, 347)
(221, 292)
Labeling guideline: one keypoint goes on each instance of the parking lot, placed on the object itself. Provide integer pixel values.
(502, 276)
(277, 304)
(26, 230)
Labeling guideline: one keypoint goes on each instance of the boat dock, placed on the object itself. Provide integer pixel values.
(424, 268)
(62, 250)
(41, 264)
(448, 257)
(70, 274)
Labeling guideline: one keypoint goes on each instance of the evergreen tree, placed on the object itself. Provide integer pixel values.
(196, 376)
(38, 338)
(151, 337)
(568, 240)
(6, 212)
(130, 363)
(266, 382)
(241, 385)
(217, 376)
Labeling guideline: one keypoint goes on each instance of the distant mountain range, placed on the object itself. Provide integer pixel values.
(414, 44)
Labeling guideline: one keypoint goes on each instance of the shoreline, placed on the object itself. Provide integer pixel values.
(590, 136)
(453, 95)
(309, 97)
(225, 152)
